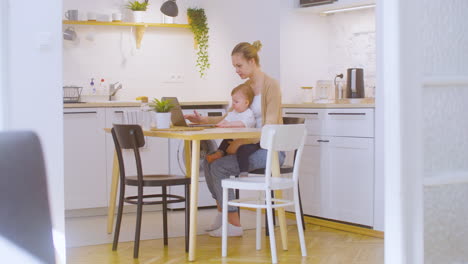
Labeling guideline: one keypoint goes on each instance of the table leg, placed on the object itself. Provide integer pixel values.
(113, 194)
(275, 170)
(194, 198)
(187, 153)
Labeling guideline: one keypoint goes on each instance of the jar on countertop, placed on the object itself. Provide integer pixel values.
(307, 94)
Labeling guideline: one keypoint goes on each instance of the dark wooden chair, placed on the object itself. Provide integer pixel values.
(283, 170)
(131, 137)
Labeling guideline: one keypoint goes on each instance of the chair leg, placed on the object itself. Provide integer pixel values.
(300, 205)
(225, 222)
(138, 222)
(187, 216)
(119, 217)
(267, 232)
(271, 227)
(273, 209)
(300, 229)
(164, 204)
(259, 229)
(237, 197)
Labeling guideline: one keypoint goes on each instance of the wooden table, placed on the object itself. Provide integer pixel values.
(193, 162)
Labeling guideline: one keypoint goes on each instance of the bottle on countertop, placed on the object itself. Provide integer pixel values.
(145, 112)
(102, 87)
(92, 87)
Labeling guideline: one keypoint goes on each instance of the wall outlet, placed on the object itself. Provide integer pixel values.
(175, 78)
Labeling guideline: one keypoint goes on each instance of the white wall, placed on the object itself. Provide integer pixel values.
(315, 47)
(112, 54)
(33, 90)
(3, 62)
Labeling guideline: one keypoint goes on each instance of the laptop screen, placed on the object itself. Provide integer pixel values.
(177, 117)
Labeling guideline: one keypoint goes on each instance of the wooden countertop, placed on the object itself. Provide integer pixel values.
(341, 103)
(136, 104)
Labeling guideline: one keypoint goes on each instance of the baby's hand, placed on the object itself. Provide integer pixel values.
(223, 123)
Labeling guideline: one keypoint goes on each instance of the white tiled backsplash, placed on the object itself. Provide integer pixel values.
(352, 45)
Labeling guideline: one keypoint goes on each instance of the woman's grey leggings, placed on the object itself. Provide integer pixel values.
(228, 166)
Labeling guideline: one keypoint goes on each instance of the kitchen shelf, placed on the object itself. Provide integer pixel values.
(140, 27)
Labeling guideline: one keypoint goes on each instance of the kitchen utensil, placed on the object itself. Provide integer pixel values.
(116, 17)
(307, 94)
(69, 34)
(91, 16)
(355, 83)
(323, 89)
(71, 14)
(338, 87)
(72, 94)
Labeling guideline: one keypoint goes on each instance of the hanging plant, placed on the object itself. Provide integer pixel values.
(199, 27)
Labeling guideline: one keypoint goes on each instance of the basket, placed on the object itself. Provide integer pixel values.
(72, 94)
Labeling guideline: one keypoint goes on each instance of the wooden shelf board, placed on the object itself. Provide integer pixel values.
(100, 23)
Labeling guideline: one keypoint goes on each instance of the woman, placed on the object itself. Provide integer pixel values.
(266, 106)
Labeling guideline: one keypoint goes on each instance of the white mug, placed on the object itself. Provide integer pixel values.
(116, 17)
(91, 16)
(72, 14)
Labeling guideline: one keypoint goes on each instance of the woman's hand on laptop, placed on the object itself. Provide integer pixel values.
(195, 118)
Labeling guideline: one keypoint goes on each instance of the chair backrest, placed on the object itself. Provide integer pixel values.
(128, 137)
(283, 138)
(25, 216)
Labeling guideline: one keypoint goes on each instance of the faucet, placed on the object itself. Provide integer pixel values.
(113, 88)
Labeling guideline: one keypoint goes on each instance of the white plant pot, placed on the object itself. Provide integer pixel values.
(163, 120)
(138, 16)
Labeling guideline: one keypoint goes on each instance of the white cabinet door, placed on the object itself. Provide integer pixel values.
(84, 158)
(313, 118)
(154, 156)
(350, 179)
(310, 181)
(357, 122)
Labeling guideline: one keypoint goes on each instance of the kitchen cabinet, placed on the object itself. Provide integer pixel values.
(337, 166)
(84, 158)
(341, 4)
(89, 153)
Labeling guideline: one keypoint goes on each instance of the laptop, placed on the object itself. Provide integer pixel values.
(177, 117)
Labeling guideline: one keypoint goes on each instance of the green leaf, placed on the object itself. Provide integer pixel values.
(199, 26)
(161, 106)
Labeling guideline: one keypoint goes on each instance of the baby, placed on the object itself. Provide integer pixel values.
(240, 116)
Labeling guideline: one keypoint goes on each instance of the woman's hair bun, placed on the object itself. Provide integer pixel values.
(257, 45)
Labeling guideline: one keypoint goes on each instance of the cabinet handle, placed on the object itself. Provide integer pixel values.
(323, 140)
(299, 113)
(77, 113)
(118, 112)
(347, 113)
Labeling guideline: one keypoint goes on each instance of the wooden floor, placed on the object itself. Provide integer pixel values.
(324, 245)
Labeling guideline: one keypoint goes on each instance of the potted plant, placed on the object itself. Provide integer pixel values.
(163, 112)
(138, 9)
(199, 26)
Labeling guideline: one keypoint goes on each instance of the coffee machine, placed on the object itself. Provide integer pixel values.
(355, 83)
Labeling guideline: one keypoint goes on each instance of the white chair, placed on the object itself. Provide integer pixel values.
(274, 138)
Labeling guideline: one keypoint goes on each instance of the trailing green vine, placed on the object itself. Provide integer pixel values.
(199, 27)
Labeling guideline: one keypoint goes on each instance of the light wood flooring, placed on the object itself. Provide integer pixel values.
(324, 245)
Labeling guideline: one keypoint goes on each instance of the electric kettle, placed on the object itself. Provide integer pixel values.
(355, 83)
